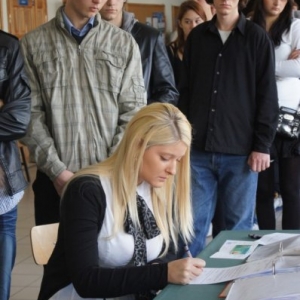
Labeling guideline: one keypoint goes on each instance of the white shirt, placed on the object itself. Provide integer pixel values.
(288, 71)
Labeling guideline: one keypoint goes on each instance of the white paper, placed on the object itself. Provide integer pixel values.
(233, 249)
(274, 237)
(263, 266)
(281, 286)
(290, 246)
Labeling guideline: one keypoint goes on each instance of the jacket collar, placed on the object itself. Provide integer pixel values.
(61, 21)
(240, 25)
(128, 21)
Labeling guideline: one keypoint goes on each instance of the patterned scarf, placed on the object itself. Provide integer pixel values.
(147, 231)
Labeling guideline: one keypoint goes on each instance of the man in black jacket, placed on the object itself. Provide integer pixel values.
(230, 98)
(14, 119)
(157, 70)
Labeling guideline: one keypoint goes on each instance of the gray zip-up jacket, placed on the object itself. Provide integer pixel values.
(82, 95)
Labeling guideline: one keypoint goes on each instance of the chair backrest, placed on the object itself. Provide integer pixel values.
(43, 240)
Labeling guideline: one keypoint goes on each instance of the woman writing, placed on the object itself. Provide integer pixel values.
(121, 217)
(190, 15)
(275, 17)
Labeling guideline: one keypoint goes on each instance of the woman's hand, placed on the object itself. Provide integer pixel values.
(294, 54)
(182, 271)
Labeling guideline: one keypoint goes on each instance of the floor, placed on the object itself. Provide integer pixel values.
(26, 276)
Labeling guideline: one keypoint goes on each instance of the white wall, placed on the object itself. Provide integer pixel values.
(52, 6)
(4, 16)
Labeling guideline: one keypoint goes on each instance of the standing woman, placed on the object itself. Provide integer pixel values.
(275, 17)
(190, 14)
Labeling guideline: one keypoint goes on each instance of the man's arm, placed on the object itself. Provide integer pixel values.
(38, 138)
(267, 106)
(14, 91)
(266, 97)
(162, 81)
(132, 95)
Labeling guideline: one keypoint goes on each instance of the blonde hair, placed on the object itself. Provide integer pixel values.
(155, 124)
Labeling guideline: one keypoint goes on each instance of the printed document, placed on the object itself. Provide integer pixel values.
(262, 266)
(233, 249)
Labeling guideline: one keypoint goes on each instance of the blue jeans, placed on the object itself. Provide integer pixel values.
(227, 178)
(7, 250)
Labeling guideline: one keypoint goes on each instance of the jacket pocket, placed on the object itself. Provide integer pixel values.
(109, 69)
(51, 67)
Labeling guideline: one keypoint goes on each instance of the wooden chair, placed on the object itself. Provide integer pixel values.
(43, 240)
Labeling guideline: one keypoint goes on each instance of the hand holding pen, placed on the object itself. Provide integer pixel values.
(182, 271)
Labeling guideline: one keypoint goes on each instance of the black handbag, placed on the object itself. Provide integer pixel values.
(289, 123)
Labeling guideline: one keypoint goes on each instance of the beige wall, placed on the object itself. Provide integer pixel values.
(52, 6)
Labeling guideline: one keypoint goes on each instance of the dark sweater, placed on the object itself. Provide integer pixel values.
(75, 257)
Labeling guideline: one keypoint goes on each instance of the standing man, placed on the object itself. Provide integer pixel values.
(157, 70)
(14, 119)
(230, 98)
(87, 83)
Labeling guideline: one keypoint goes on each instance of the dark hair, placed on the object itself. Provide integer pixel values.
(242, 3)
(282, 23)
(295, 4)
(184, 7)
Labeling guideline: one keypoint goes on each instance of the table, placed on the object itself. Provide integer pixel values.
(212, 291)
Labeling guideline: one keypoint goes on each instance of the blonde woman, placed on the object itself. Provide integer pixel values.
(121, 217)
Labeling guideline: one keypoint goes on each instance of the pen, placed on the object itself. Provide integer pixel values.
(254, 236)
(187, 251)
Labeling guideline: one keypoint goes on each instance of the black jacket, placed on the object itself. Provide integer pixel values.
(229, 91)
(157, 70)
(14, 111)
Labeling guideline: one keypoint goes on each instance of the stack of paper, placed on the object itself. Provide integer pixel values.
(282, 256)
(282, 286)
(272, 271)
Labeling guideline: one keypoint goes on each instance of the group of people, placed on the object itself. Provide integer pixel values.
(214, 112)
(116, 170)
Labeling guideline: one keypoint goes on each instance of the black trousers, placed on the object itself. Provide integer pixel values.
(46, 200)
(289, 183)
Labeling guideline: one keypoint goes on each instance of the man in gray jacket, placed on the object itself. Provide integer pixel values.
(87, 82)
(157, 70)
